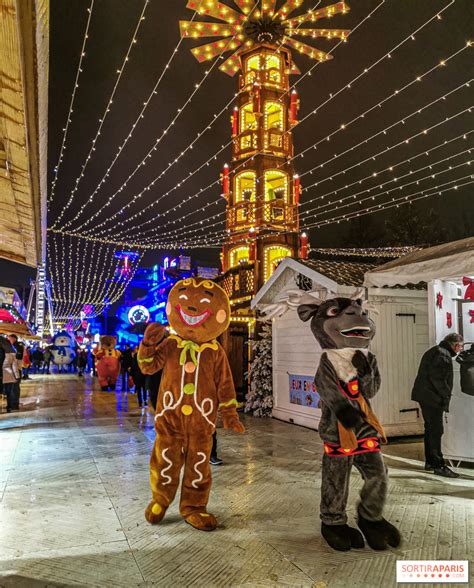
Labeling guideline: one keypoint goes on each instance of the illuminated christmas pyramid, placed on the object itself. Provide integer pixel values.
(260, 186)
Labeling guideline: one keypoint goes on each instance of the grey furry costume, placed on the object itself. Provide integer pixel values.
(346, 380)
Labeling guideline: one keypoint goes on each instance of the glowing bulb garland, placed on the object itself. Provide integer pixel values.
(171, 164)
(120, 71)
(129, 135)
(71, 104)
(360, 116)
(198, 85)
(345, 87)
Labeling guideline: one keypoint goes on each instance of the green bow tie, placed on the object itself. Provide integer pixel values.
(190, 346)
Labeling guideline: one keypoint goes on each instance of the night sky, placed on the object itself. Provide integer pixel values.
(111, 28)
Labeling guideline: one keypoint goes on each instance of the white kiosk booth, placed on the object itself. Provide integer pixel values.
(448, 271)
(401, 339)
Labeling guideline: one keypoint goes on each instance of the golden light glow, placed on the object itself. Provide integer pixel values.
(273, 254)
(276, 185)
(239, 255)
(235, 35)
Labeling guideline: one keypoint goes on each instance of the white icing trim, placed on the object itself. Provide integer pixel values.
(164, 470)
(205, 413)
(168, 398)
(195, 482)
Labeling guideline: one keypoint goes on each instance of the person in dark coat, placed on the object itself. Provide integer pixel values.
(126, 365)
(432, 390)
(138, 379)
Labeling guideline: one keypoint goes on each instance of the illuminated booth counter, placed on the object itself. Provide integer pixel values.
(448, 270)
(401, 339)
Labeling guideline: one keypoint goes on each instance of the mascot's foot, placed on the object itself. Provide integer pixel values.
(155, 513)
(342, 537)
(203, 521)
(379, 534)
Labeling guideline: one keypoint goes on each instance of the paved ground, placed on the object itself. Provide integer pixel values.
(74, 484)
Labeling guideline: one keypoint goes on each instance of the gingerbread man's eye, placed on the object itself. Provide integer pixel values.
(205, 300)
(183, 296)
(332, 311)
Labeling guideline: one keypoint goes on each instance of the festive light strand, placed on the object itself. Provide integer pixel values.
(363, 142)
(174, 233)
(171, 164)
(332, 96)
(352, 196)
(121, 147)
(159, 139)
(71, 104)
(102, 120)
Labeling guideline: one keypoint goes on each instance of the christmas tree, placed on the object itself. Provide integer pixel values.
(260, 398)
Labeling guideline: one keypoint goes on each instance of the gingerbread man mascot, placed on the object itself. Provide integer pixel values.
(196, 383)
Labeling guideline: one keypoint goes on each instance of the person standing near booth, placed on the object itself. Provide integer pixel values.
(432, 390)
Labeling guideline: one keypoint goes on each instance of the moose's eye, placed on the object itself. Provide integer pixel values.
(205, 300)
(332, 311)
(183, 296)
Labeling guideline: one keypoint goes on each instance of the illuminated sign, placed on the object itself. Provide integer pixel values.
(138, 314)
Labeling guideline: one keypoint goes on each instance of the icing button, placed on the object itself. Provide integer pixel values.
(186, 409)
(189, 367)
(189, 388)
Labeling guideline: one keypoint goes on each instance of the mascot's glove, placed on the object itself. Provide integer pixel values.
(154, 333)
(361, 363)
(231, 420)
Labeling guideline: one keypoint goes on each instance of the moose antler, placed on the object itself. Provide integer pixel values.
(293, 299)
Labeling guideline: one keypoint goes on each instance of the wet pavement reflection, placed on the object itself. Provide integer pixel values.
(74, 484)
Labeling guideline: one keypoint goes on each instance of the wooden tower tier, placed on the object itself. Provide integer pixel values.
(260, 185)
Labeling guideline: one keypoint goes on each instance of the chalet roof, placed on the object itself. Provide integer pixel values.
(446, 261)
(345, 273)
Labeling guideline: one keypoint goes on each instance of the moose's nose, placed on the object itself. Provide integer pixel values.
(192, 308)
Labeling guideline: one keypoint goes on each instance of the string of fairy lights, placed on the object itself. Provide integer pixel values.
(344, 126)
(371, 176)
(98, 241)
(149, 155)
(104, 284)
(213, 157)
(103, 118)
(199, 193)
(71, 104)
(177, 233)
(190, 146)
(306, 215)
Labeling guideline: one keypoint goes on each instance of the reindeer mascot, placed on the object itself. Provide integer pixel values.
(346, 379)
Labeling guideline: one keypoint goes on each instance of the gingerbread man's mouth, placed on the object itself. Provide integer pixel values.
(192, 320)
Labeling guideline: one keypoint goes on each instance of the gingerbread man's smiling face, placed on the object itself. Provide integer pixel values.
(198, 310)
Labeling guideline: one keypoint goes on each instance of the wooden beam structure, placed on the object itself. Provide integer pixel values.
(24, 53)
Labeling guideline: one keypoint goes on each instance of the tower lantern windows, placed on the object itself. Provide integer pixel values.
(273, 68)
(252, 69)
(239, 255)
(276, 186)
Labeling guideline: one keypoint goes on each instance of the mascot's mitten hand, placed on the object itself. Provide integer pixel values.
(361, 363)
(231, 420)
(154, 333)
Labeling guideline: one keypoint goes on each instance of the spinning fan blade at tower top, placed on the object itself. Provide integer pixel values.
(258, 22)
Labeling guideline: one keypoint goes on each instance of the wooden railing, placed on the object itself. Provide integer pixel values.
(238, 282)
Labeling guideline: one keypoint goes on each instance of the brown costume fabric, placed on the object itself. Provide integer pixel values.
(185, 420)
(196, 382)
(347, 437)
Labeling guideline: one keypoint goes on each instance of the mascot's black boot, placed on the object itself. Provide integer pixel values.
(342, 537)
(379, 534)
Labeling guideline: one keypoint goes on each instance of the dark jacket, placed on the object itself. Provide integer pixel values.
(466, 360)
(434, 382)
